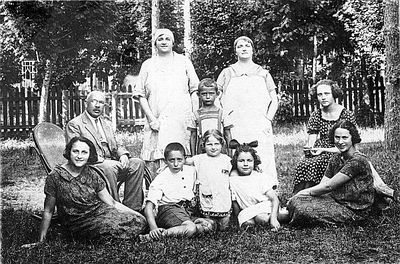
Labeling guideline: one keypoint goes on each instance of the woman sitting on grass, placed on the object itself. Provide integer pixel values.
(84, 206)
(346, 192)
(253, 196)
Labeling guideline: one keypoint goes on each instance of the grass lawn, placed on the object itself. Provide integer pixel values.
(376, 241)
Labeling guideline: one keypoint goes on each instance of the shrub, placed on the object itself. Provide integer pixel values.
(284, 115)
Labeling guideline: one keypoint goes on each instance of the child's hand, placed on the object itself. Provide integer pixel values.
(155, 125)
(156, 234)
(275, 225)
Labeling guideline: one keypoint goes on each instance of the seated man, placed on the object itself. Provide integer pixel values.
(114, 161)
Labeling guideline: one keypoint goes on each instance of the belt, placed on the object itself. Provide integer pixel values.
(184, 203)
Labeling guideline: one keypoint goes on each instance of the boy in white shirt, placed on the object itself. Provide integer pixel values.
(171, 193)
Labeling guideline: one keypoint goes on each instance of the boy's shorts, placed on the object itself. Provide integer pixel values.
(171, 215)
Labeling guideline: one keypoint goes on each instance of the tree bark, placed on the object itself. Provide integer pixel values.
(155, 21)
(187, 28)
(392, 76)
(44, 95)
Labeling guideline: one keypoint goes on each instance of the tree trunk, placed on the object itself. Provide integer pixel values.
(187, 28)
(155, 21)
(45, 91)
(392, 76)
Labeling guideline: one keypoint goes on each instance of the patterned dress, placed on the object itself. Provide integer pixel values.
(312, 169)
(167, 89)
(349, 202)
(81, 211)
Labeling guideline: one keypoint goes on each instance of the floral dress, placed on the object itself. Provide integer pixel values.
(349, 202)
(312, 169)
(167, 89)
(81, 211)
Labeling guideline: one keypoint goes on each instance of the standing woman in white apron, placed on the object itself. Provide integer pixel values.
(250, 102)
(166, 89)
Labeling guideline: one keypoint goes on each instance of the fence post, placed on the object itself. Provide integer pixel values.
(114, 98)
(64, 107)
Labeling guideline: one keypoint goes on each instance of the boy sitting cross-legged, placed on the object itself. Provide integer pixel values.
(171, 194)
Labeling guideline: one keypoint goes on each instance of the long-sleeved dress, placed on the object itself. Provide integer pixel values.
(167, 89)
(81, 211)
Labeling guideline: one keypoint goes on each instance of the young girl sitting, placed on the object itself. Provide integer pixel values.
(254, 200)
(213, 169)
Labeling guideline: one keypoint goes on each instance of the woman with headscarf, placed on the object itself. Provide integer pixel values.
(166, 88)
(250, 102)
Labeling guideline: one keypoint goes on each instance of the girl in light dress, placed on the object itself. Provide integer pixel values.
(253, 195)
(213, 192)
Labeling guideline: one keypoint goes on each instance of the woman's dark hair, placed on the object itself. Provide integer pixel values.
(245, 147)
(174, 146)
(92, 155)
(345, 124)
(336, 91)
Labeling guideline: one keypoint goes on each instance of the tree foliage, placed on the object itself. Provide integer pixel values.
(283, 33)
(73, 35)
(364, 21)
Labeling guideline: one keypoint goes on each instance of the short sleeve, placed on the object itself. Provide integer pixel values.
(192, 125)
(349, 116)
(355, 167)
(266, 184)
(97, 180)
(50, 186)
(140, 86)
(223, 79)
(155, 191)
(226, 122)
(192, 76)
(329, 171)
(314, 123)
(271, 86)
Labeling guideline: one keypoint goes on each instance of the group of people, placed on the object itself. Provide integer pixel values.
(219, 157)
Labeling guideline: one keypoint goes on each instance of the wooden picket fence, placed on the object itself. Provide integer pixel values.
(357, 94)
(19, 110)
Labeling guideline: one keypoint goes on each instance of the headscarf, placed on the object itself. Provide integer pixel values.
(164, 31)
(247, 39)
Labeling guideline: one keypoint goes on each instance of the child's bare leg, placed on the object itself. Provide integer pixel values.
(186, 229)
(248, 223)
(262, 219)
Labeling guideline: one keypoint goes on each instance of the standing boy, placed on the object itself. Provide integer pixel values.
(208, 116)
